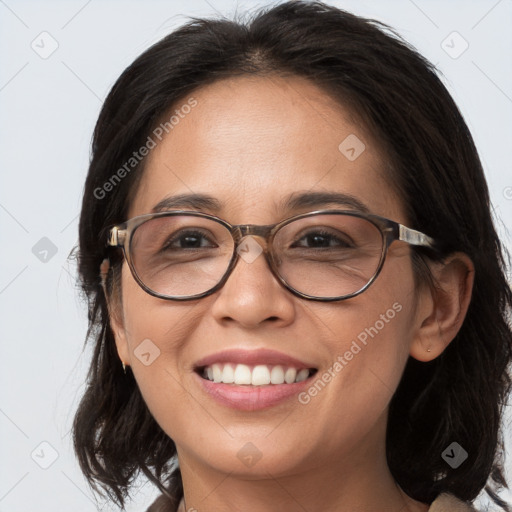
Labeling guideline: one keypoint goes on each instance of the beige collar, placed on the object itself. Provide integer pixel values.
(446, 502)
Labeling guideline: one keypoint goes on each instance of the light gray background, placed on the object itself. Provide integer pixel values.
(48, 110)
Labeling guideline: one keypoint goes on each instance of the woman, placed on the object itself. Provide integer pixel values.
(302, 298)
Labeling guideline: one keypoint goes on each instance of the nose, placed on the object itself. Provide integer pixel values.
(252, 295)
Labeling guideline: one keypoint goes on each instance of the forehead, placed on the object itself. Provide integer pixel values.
(252, 142)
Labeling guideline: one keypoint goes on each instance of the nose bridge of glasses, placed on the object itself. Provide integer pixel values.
(244, 230)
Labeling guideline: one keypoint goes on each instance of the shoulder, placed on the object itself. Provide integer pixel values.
(446, 502)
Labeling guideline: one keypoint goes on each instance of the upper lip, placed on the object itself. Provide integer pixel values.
(252, 357)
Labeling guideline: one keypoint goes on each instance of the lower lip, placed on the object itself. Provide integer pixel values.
(251, 398)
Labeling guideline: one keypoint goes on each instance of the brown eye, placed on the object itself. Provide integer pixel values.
(188, 240)
(322, 239)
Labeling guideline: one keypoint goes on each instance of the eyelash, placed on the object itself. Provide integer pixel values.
(325, 234)
(199, 234)
(180, 236)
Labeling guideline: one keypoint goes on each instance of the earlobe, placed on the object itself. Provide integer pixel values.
(120, 339)
(115, 317)
(442, 309)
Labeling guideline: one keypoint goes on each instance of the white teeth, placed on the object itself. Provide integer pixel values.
(242, 374)
(289, 376)
(259, 375)
(302, 375)
(277, 375)
(228, 374)
(217, 373)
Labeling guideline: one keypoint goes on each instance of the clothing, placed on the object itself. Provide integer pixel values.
(449, 503)
(443, 503)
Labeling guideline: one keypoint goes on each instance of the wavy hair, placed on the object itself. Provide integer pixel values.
(436, 171)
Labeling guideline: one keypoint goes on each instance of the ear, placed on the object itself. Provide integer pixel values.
(441, 310)
(115, 314)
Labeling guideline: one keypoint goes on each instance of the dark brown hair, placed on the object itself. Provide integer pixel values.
(435, 169)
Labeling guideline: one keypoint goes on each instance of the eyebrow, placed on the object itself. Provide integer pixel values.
(318, 199)
(194, 201)
(295, 201)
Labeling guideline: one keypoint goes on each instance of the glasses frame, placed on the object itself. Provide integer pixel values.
(121, 236)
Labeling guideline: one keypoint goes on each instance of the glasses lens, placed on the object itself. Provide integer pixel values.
(328, 255)
(325, 256)
(181, 255)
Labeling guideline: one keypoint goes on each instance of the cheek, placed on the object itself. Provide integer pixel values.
(388, 326)
(155, 332)
(369, 353)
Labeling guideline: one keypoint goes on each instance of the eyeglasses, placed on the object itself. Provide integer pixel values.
(325, 255)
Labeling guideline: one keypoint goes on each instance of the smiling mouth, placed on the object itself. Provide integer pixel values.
(254, 375)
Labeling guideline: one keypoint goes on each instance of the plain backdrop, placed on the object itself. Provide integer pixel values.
(58, 62)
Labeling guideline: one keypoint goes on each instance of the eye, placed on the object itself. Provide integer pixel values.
(324, 239)
(191, 239)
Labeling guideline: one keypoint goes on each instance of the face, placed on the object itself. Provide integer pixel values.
(252, 142)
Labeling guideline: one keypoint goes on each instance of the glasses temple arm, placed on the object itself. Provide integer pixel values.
(413, 237)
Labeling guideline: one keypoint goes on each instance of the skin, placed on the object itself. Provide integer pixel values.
(249, 142)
